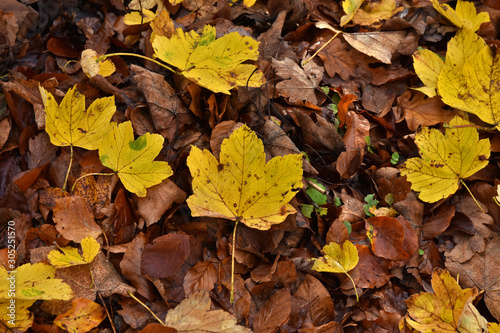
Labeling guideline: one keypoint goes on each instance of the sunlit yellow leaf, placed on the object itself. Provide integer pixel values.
(216, 64)
(242, 187)
(427, 65)
(69, 124)
(374, 11)
(14, 314)
(477, 88)
(350, 8)
(133, 160)
(83, 316)
(445, 159)
(137, 18)
(70, 255)
(249, 3)
(464, 15)
(92, 68)
(493, 328)
(90, 248)
(337, 259)
(443, 310)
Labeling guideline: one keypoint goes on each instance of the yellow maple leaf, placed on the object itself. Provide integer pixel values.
(68, 124)
(448, 309)
(427, 65)
(92, 68)
(373, 12)
(19, 289)
(83, 316)
(464, 15)
(242, 187)
(445, 159)
(133, 160)
(493, 328)
(216, 64)
(476, 88)
(137, 17)
(350, 8)
(71, 256)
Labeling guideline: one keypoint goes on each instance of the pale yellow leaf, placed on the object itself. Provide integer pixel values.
(464, 16)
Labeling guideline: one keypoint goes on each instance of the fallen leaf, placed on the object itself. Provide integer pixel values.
(321, 308)
(242, 187)
(445, 310)
(21, 287)
(380, 45)
(481, 272)
(337, 259)
(74, 220)
(201, 276)
(71, 257)
(427, 65)
(374, 12)
(133, 160)
(194, 315)
(463, 16)
(139, 17)
(274, 313)
(297, 85)
(446, 159)
(215, 64)
(350, 8)
(68, 124)
(83, 316)
(92, 68)
(165, 256)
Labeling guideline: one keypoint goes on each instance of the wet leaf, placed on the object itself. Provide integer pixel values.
(133, 160)
(242, 187)
(446, 159)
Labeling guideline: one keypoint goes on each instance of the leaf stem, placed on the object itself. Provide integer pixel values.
(69, 167)
(147, 308)
(231, 300)
(138, 56)
(321, 48)
(354, 285)
(472, 195)
(90, 174)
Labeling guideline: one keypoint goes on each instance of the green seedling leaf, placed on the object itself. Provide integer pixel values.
(370, 202)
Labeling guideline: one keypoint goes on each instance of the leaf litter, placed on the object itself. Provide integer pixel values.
(389, 101)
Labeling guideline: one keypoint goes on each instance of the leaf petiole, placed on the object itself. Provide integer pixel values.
(91, 174)
(472, 195)
(144, 305)
(138, 56)
(69, 168)
(231, 299)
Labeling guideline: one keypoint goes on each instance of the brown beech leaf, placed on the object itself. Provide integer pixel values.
(201, 276)
(350, 160)
(130, 266)
(297, 85)
(274, 313)
(74, 220)
(321, 308)
(165, 256)
(439, 222)
(167, 110)
(318, 132)
(370, 272)
(158, 328)
(83, 316)
(481, 272)
(422, 111)
(392, 238)
(158, 200)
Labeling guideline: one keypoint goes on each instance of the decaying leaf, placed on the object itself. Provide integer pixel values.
(68, 124)
(242, 187)
(194, 315)
(216, 64)
(19, 289)
(350, 8)
(373, 12)
(445, 159)
(137, 17)
(71, 257)
(133, 160)
(448, 309)
(83, 316)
